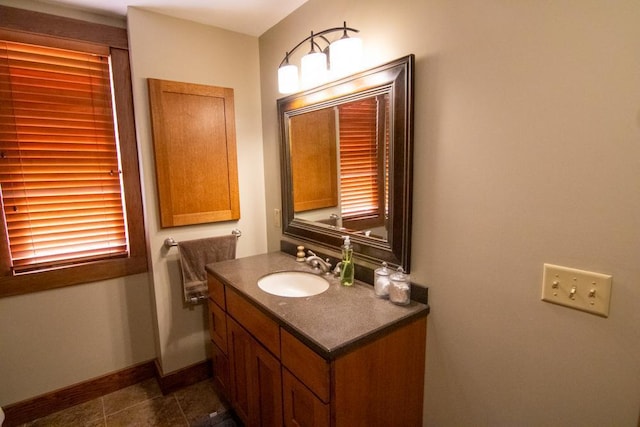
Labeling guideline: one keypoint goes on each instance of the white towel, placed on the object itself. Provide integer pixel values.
(195, 255)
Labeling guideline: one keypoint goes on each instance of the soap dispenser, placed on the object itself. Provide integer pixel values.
(347, 270)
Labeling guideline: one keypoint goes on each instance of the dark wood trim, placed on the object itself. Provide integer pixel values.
(40, 406)
(183, 377)
(61, 27)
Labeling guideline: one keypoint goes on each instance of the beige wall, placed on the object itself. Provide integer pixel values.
(52, 339)
(173, 49)
(527, 150)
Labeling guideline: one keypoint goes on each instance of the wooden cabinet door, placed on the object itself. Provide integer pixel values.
(218, 326)
(302, 408)
(239, 345)
(255, 380)
(220, 370)
(195, 152)
(267, 386)
(382, 382)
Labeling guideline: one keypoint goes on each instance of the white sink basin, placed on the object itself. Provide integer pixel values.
(293, 284)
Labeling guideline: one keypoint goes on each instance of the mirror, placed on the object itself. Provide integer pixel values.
(347, 163)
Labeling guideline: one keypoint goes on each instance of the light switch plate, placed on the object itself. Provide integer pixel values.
(579, 289)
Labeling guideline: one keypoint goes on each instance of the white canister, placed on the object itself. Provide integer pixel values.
(400, 288)
(381, 281)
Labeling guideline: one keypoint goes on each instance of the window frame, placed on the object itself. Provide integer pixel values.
(56, 31)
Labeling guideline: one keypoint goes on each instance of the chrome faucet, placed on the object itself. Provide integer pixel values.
(316, 262)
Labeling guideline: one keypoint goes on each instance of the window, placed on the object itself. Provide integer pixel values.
(72, 209)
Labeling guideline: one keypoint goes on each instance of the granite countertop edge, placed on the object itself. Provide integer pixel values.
(331, 323)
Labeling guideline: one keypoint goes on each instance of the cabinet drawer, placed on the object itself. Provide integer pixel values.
(301, 406)
(253, 320)
(218, 326)
(306, 365)
(216, 291)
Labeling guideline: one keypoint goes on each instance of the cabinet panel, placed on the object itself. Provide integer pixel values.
(195, 152)
(220, 370)
(216, 291)
(257, 323)
(302, 408)
(218, 326)
(240, 369)
(305, 364)
(269, 385)
(255, 379)
(382, 383)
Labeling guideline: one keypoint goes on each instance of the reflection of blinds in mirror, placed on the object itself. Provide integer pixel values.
(313, 160)
(361, 160)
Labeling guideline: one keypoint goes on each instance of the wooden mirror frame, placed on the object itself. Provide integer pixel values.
(396, 79)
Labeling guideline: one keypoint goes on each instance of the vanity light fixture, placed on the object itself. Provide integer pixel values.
(344, 58)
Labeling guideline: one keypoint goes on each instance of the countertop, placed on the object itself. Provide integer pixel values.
(332, 322)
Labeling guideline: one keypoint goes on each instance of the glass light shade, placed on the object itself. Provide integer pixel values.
(314, 69)
(345, 56)
(288, 79)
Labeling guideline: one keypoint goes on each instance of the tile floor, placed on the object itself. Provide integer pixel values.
(142, 404)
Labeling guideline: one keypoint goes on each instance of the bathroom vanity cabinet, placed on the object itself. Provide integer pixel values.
(275, 370)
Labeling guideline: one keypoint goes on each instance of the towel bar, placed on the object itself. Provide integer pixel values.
(170, 242)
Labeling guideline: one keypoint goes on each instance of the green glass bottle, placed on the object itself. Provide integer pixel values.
(347, 270)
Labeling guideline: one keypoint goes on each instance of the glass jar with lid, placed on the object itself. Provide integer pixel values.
(400, 288)
(381, 281)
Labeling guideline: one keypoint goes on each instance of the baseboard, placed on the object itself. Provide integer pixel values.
(57, 400)
(183, 377)
(40, 406)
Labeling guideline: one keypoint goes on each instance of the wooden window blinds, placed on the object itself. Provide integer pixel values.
(362, 157)
(59, 162)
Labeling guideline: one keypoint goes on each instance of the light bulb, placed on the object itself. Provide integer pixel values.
(314, 69)
(345, 56)
(288, 79)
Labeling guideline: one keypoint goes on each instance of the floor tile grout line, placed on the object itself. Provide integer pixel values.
(181, 410)
(104, 411)
(134, 405)
(149, 398)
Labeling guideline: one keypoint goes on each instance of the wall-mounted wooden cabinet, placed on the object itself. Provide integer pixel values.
(195, 152)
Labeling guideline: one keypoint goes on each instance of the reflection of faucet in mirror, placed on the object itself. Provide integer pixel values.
(336, 220)
(316, 262)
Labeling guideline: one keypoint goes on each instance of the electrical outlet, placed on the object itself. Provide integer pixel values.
(579, 289)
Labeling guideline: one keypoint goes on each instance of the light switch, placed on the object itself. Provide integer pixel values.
(579, 289)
